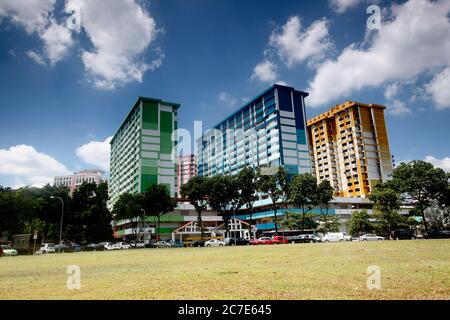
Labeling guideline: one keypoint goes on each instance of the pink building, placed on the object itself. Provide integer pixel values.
(187, 168)
(75, 180)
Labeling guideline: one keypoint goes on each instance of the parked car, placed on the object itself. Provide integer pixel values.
(109, 246)
(137, 245)
(47, 248)
(7, 251)
(370, 237)
(280, 240)
(402, 234)
(260, 241)
(236, 242)
(95, 246)
(304, 238)
(61, 247)
(163, 244)
(214, 243)
(122, 246)
(436, 234)
(199, 243)
(176, 244)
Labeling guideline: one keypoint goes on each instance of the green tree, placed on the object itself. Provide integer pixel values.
(247, 185)
(360, 223)
(303, 193)
(387, 204)
(157, 202)
(324, 194)
(220, 195)
(329, 223)
(196, 190)
(283, 183)
(268, 184)
(421, 182)
(97, 218)
(294, 221)
(128, 207)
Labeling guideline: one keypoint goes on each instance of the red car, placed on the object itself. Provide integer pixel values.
(279, 240)
(262, 240)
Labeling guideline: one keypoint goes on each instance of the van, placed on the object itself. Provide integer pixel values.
(337, 237)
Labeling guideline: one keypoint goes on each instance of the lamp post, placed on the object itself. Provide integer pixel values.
(62, 215)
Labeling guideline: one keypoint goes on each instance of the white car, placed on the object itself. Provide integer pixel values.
(214, 243)
(138, 245)
(109, 246)
(8, 251)
(163, 244)
(337, 237)
(370, 237)
(121, 246)
(47, 248)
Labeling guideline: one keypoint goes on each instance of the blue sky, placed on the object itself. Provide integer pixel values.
(68, 77)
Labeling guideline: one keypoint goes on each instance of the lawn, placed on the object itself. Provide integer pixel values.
(412, 269)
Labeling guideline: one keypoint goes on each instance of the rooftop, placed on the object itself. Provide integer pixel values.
(340, 107)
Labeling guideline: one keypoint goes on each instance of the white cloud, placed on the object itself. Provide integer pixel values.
(415, 41)
(294, 46)
(443, 163)
(120, 32)
(340, 6)
(57, 41)
(96, 153)
(265, 71)
(36, 17)
(29, 167)
(439, 88)
(391, 90)
(33, 15)
(227, 98)
(36, 57)
(398, 108)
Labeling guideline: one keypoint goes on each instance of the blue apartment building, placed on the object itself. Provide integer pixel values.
(269, 130)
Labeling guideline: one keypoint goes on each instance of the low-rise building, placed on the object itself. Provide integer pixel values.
(73, 181)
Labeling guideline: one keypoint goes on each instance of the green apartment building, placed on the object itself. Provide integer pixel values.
(141, 150)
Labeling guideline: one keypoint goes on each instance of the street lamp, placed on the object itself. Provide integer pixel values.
(62, 215)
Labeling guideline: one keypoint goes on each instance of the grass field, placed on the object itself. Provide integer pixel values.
(409, 270)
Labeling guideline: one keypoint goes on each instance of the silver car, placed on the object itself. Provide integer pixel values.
(370, 237)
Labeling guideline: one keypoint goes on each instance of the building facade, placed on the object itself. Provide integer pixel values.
(187, 168)
(349, 147)
(142, 150)
(73, 181)
(270, 130)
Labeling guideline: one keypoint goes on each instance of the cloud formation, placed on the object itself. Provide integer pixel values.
(413, 42)
(443, 163)
(265, 71)
(227, 99)
(120, 32)
(29, 167)
(294, 45)
(340, 6)
(439, 89)
(96, 153)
